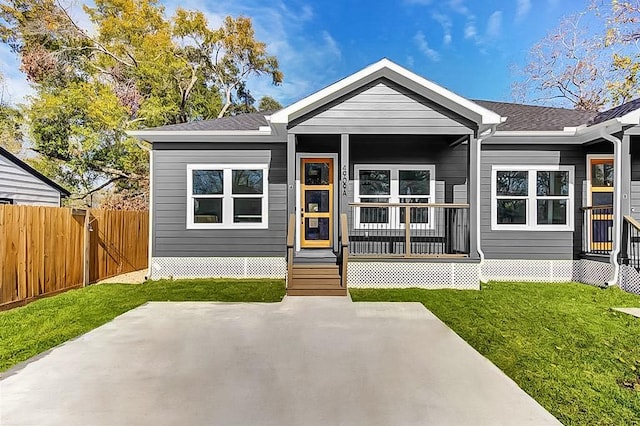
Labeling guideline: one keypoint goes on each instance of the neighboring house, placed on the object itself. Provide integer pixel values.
(436, 190)
(24, 185)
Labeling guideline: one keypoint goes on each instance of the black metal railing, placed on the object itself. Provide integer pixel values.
(630, 247)
(408, 230)
(597, 230)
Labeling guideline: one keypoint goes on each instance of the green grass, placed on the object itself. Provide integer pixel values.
(46, 323)
(561, 343)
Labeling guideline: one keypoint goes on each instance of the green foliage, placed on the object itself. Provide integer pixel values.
(267, 103)
(137, 68)
(44, 324)
(561, 343)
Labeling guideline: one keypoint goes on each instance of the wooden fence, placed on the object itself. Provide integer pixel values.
(47, 250)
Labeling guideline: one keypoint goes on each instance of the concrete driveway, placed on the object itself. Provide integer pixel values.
(305, 361)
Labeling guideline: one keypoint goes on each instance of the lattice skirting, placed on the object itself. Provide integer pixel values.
(223, 267)
(629, 279)
(555, 271)
(413, 274)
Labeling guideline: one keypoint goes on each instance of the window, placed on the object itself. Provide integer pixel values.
(389, 184)
(6, 201)
(531, 198)
(227, 196)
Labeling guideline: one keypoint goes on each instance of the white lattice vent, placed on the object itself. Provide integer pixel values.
(629, 279)
(223, 267)
(592, 272)
(528, 270)
(413, 274)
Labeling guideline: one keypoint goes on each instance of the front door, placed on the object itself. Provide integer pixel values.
(600, 175)
(316, 202)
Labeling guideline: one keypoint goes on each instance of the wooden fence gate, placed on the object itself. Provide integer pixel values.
(47, 250)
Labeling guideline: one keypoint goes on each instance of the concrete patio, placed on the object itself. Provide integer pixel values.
(305, 361)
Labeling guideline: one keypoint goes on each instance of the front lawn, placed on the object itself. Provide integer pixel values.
(561, 343)
(46, 323)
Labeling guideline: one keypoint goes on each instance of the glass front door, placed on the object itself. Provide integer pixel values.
(600, 174)
(316, 209)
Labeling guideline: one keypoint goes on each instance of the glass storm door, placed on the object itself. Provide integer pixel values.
(601, 195)
(316, 209)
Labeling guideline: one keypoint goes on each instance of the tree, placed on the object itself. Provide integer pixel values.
(136, 68)
(589, 62)
(10, 123)
(267, 103)
(622, 36)
(567, 66)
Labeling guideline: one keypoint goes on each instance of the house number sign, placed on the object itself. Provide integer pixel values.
(345, 180)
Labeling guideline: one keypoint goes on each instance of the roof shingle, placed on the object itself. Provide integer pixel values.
(538, 118)
(249, 121)
(616, 112)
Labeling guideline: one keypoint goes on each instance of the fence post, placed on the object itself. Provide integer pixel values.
(87, 248)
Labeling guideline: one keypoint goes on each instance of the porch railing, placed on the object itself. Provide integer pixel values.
(630, 248)
(408, 230)
(597, 230)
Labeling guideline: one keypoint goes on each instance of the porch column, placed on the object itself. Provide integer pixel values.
(343, 181)
(472, 195)
(291, 174)
(625, 168)
(343, 185)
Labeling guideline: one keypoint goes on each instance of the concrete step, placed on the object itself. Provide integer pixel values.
(316, 292)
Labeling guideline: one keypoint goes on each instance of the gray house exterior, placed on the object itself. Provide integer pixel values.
(414, 185)
(21, 184)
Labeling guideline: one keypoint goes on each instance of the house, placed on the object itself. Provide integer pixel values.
(24, 185)
(386, 179)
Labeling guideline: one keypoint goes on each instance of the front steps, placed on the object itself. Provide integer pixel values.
(315, 279)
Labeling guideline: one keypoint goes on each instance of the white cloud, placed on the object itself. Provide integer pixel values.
(423, 46)
(470, 31)
(494, 25)
(410, 61)
(460, 7)
(522, 9)
(446, 24)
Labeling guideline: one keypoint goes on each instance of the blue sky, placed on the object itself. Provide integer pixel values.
(468, 46)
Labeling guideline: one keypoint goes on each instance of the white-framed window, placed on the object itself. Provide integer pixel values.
(532, 198)
(227, 196)
(390, 184)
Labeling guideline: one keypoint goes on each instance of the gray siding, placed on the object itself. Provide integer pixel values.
(460, 194)
(382, 107)
(23, 188)
(635, 199)
(531, 245)
(170, 236)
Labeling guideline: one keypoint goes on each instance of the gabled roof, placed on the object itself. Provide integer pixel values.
(617, 112)
(18, 162)
(536, 118)
(248, 121)
(394, 72)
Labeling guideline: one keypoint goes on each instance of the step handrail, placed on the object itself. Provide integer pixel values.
(291, 233)
(630, 247)
(344, 249)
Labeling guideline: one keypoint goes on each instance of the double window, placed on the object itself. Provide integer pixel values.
(392, 184)
(536, 198)
(227, 196)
